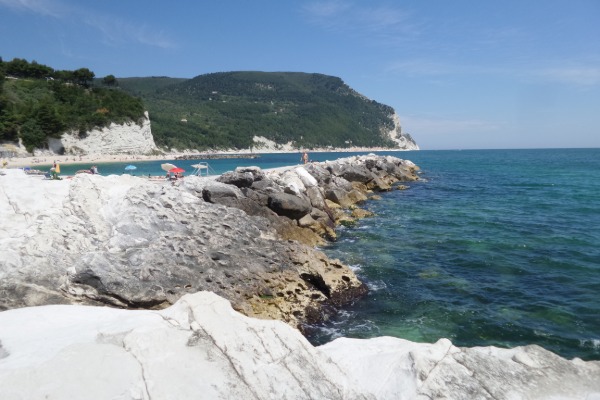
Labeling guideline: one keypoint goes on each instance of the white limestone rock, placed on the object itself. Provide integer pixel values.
(201, 348)
(403, 140)
(307, 179)
(391, 368)
(198, 348)
(290, 182)
(128, 138)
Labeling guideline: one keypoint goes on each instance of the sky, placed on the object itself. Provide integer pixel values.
(461, 74)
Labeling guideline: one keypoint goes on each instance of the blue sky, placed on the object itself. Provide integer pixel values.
(461, 74)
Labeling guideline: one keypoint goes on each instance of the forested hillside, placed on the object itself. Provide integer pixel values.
(213, 111)
(37, 102)
(226, 110)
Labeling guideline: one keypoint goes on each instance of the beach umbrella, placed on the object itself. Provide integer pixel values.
(167, 166)
(177, 170)
(130, 168)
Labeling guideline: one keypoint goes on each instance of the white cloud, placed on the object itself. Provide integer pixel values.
(379, 22)
(326, 9)
(424, 67)
(447, 125)
(420, 67)
(114, 29)
(581, 76)
(117, 30)
(43, 7)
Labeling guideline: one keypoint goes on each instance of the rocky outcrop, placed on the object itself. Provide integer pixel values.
(391, 368)
(128, 138)
(201, 348)
(316, 196)
(129, 242)
(403, 140)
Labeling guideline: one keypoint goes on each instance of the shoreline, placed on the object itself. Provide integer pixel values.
(31, 161)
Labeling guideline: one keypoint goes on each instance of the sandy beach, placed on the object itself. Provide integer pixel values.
(20, 162)
(33, 161)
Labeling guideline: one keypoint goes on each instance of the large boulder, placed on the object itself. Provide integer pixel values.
(257, 173)
(307, 179)
(128, 242)
(289, 205)
(290, 182)
(316, 197)
(212, 191)
(239, 179)
(355, 173)
(321, 174)
(242, 177)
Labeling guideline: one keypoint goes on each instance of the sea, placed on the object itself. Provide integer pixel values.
(489, 247)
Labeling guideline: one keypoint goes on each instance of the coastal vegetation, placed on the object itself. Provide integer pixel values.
(219, 111)
(38, 102)
(227, 109)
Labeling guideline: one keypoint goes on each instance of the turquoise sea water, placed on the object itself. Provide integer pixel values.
(143, 168)
(492, 247)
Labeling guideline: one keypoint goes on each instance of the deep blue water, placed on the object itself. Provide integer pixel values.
(491, 247)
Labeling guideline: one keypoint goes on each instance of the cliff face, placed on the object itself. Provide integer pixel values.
(129, 138)
(404, 140)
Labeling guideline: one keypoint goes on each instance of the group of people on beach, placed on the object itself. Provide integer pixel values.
(173, 176)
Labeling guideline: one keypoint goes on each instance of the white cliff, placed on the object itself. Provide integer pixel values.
(128, 138)
(201, 348)
(403, 140)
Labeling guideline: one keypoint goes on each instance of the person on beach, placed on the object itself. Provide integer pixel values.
(305, 158)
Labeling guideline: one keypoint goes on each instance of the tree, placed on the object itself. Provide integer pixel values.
(110, 80)
(17, 67)
(39, 71)
(66, 76)
(49, 120)
(32, 135)
(9, 128)
(83, 76)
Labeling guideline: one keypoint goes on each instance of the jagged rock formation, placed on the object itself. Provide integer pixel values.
(129, 242)
(129, 138)
(403, 140)
(315, 196)
(201, 348)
